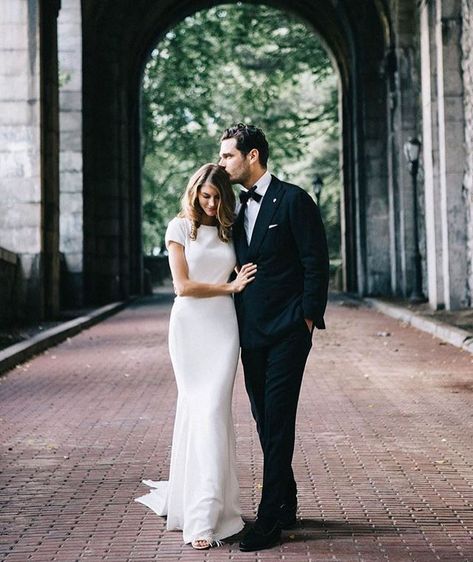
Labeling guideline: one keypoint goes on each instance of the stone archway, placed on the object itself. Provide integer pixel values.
(380, 48)
(116, 44)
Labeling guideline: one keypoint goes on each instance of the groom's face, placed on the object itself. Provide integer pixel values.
(235, 163)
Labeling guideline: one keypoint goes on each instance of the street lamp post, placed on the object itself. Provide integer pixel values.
(317, 184)
(412, 152)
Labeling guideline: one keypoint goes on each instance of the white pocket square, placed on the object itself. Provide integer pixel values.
(272, 226)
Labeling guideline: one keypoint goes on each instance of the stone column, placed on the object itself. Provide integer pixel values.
(467, 66)
(451, 135)
(401, 70)
(20, 148)
(405, 126)
(444, 153)
(102, 165)
(49, 11)
(71, 193)
(433, 225)
(375, 202)
(29, 212)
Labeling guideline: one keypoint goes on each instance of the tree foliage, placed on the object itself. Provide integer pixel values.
(232, 63)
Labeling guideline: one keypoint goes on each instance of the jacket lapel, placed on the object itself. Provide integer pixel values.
(269, 204)
(239, 237)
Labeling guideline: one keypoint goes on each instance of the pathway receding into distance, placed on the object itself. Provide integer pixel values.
(384, 449)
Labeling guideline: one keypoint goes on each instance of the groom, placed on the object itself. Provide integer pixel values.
(278, 228)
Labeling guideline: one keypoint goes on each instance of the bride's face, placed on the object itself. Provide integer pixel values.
(209, 199)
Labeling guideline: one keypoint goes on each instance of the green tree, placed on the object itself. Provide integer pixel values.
(237, 63)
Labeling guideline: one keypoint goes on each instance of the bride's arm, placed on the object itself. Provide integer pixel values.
(185, 287)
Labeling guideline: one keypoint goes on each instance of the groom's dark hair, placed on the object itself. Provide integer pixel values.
(248, 137)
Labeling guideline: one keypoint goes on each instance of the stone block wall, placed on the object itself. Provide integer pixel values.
(29, 141)
(20, 147)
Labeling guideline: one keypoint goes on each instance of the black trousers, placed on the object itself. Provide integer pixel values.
(273, 377)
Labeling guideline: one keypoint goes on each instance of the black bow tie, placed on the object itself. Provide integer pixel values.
(250, 194)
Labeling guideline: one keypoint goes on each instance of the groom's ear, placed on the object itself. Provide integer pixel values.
(254, 155)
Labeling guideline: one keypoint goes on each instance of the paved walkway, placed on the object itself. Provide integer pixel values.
(384, 449)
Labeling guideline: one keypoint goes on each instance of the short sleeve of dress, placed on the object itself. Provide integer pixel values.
(176, 231)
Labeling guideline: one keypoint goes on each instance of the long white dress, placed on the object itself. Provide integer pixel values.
(202, 495)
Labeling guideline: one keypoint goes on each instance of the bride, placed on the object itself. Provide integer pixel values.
(202, 495)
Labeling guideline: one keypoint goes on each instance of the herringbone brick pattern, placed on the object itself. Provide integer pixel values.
(383, 458)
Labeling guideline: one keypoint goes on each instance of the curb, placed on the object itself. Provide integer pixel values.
(445, 332)
(20, 352)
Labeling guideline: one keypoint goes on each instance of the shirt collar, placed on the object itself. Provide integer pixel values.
(262, 184)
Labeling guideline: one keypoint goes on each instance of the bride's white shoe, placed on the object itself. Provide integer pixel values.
(200, 544)
(205, 543)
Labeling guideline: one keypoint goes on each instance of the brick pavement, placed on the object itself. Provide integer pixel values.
(383, 454)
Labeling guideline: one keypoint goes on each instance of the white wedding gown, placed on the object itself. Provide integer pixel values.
(202, 495)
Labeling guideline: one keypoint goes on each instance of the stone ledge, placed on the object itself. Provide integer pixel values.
(9, 257)
(20, 352)
(445, 332)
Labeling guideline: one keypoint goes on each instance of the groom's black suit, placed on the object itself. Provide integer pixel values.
(288, 245)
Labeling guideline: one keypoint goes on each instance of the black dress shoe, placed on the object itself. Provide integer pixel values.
(287, 521)
(287, 517)
(261, 536)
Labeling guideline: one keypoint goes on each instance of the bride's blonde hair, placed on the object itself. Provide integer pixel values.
(217, 177)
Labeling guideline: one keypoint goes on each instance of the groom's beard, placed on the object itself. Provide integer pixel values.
(237, 180)
(240, 177)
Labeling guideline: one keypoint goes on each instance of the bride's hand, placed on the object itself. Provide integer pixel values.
(245, 276)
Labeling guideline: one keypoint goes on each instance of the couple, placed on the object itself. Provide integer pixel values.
(277, 242)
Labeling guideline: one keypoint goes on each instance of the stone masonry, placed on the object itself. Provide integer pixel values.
(70, 149)
(20, 146)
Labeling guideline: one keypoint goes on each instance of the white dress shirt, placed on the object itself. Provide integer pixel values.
(253, 207)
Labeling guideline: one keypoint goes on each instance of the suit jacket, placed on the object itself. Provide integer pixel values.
(290, 249)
